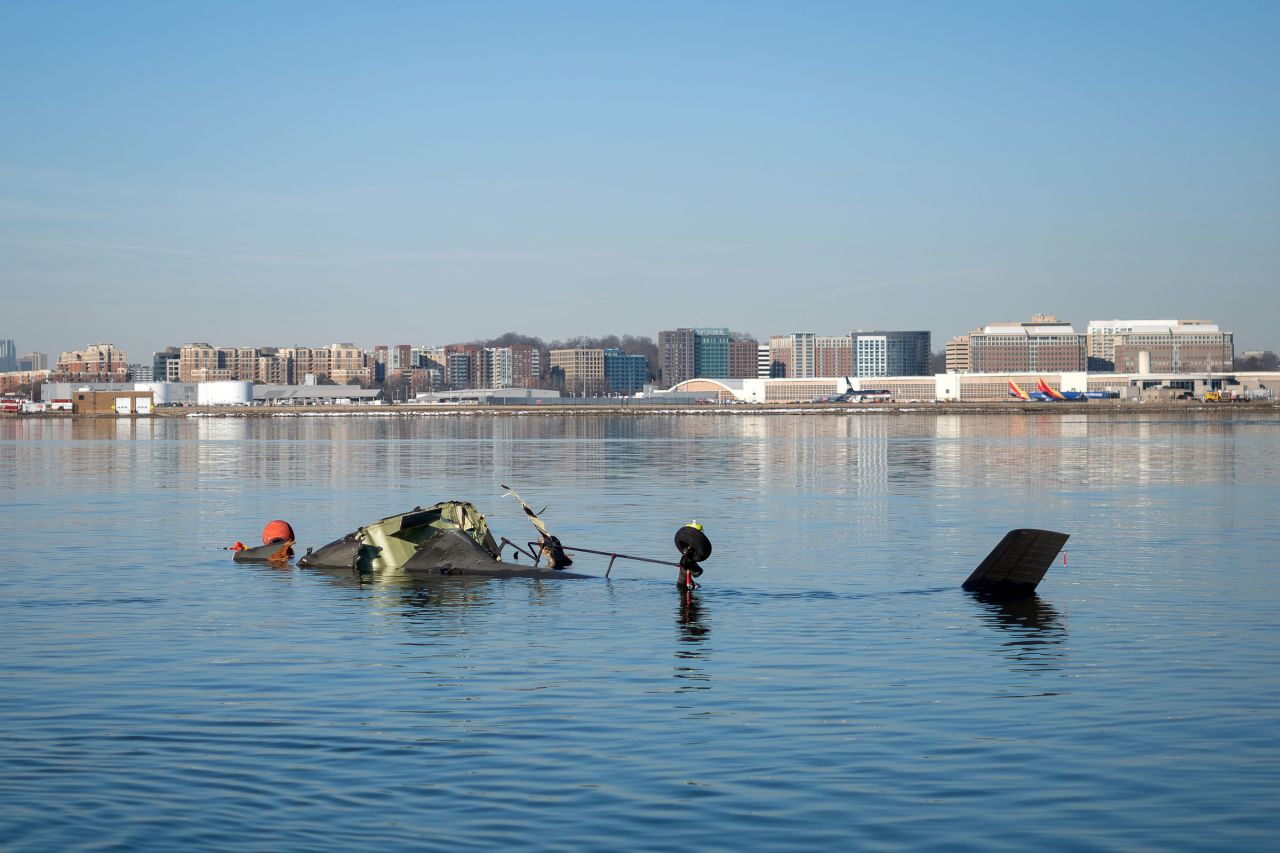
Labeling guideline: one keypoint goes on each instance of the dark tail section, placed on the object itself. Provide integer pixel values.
(1018, 564)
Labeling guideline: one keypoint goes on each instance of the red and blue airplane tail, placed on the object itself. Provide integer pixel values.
(1043, 388)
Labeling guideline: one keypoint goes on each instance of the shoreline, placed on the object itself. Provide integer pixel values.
(1102, 408)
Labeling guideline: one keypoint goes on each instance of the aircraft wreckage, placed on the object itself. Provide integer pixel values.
(452, 538)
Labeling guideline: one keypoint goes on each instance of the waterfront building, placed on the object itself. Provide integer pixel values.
(832, 355)
(304, 365)
(95, 363)
(513, 366)
(33, 361)
(743, 359)
(141, 373)
(1170, 346)
(458, 369)
(526, 365)
(401, 358)
(625, 373)
(8, 356)
(676, 351)
(270, 370)
(348, 365)
(958, 354)
(197, 362)
(202, 362)
(429, 357)
(711, 352)
(165, 365)
(989, 387)
(583, 369)
(881, 353)
(764, 364)
(388, 363)
(686, 353)
(1043, 344)
(16, 380)
(793, 355)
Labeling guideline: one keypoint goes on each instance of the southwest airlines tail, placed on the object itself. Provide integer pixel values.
(1015, 391)
(1043, 388)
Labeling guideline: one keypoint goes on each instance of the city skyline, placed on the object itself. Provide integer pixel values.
(939, 345)
(549, 168)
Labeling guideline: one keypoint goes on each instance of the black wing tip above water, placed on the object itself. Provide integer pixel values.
(1018, 563)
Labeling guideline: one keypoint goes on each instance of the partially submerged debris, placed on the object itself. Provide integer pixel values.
(1017, 565)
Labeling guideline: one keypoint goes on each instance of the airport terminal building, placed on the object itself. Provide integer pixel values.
(981, 387)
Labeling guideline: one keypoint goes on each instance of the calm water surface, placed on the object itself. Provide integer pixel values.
(830, 685)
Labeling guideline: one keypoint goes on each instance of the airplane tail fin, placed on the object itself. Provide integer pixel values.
(1043, 388)
(1018, 564)
(1015, 391)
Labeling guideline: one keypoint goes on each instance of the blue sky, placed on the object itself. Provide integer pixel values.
(277, 173)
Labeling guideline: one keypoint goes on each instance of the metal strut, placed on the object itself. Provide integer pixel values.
(614, 556)
(532, 552)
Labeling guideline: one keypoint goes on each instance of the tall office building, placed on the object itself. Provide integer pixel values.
(625, 373)
(33, 361)
(832, 355)
(764, 363)
(1172, 346)
(882, 353)
(694, 353)
(793, 356)
(676, 354)
(8, 356)
(583, 369)
(743, 359)
(958, 354)
(711, 353)
(1043, 344)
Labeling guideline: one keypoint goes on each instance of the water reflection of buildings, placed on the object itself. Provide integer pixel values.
(865, 456)
(873, 458)
(1042, 454)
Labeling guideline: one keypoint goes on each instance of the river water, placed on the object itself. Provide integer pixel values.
(829, 686)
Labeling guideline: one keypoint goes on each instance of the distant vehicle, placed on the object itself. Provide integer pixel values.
(1213, 396)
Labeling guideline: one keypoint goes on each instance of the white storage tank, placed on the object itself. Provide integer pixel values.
(159, 391)
(224, 393)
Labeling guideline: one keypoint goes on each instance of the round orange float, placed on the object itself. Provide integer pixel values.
(277, 531)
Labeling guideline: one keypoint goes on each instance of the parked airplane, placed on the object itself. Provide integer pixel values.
(1045, 394)
(1043, 388)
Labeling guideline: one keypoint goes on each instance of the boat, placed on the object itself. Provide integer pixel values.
(452, 538)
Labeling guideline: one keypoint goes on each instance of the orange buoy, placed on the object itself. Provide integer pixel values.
(277, 531)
